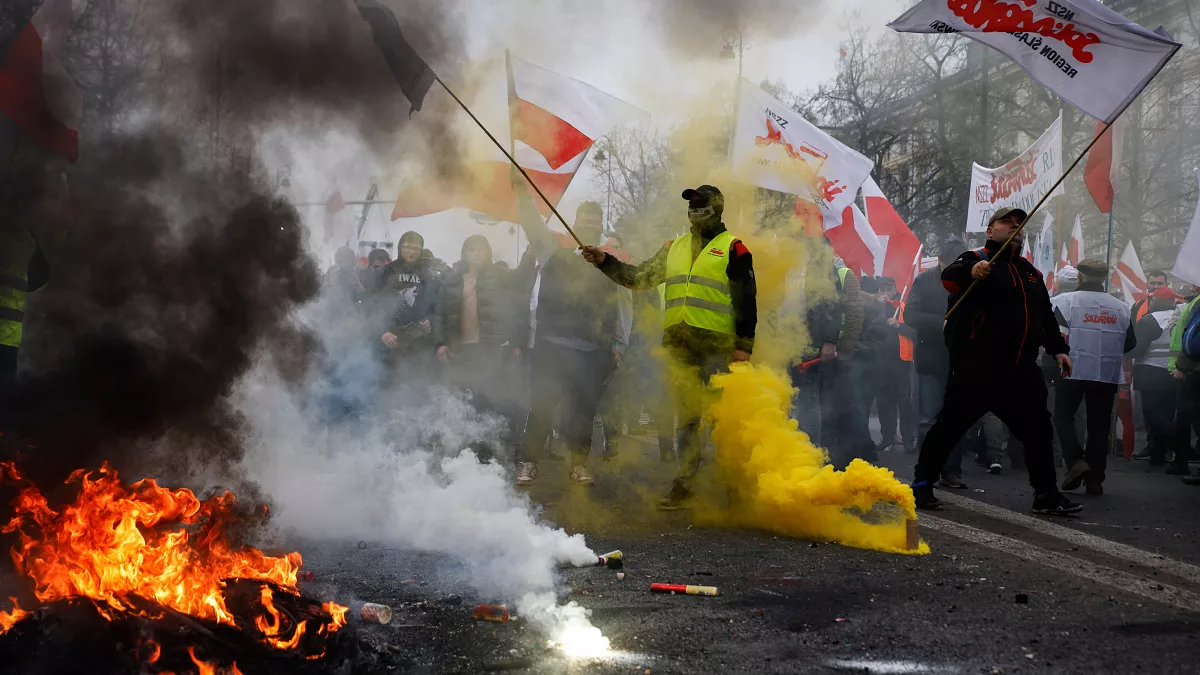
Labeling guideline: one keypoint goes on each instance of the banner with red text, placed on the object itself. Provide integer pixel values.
(1019, 184)
(1083, 51)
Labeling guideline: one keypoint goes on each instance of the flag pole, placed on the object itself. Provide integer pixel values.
(1029, 215)
(1108, 255)
(510, 159)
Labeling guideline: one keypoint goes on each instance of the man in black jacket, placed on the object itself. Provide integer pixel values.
(993, 338)
(924, 316)
(577, 338)
(406, 299)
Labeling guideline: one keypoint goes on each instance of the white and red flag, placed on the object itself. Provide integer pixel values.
(774, 147)
(1187, 265)
(900, 247)
(1129, 276)
(554, 120)
(1074, 247)
(36, 92)
(1103, 164)
(854, 241)
(1083, 51)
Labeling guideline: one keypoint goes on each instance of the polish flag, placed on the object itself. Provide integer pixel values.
(1104, 162)
(854, 241)
(928, 263)
(36, 92)
(554, 120)
(1129, 276)
(900, 246)
(1075, 246)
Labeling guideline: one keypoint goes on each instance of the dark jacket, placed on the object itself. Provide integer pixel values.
(924, 314)
(739, 269)
(404, 295)
(1005, 319)
(879, 341)
(502, 300)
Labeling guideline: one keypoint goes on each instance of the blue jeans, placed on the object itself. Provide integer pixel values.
(928, 392)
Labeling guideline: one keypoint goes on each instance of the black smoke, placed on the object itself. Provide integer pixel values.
(174, 265)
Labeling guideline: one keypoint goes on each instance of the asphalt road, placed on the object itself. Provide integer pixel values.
(1114, 591)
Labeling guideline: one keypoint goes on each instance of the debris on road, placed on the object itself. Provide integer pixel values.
(1022, 599)
(684, 588)
(362, 544)
(980, 490)
(372, 612)
(493, 613)
(620, 576)
(912, 536)
(304, 576)
(840, 620)
(613, 560)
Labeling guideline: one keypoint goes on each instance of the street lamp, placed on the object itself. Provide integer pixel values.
(600, 156)
(734, 40)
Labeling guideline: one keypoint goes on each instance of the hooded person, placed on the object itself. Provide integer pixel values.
(1151, 379)
(481, 324)
(711, 314)
(576, 338)
(405, 301)
(343, 280)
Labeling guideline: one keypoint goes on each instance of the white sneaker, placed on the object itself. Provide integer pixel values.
(581, 476)
(527, 473)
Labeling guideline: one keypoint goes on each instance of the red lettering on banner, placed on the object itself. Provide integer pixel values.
(1015, 176)
(829, 188)
(995, 16)
(1099, 318)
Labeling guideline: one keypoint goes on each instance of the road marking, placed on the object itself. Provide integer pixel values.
(1125, 552)
(1130, 583)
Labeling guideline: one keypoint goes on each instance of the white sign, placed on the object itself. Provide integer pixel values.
(776, 148)
(1083, 51)
(1020, 183)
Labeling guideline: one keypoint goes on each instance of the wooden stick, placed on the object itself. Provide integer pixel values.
(1029, 216)
(511, 159)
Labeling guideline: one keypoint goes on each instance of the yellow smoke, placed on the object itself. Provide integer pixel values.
(782, 480)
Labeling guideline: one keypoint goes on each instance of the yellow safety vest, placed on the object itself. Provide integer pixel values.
(16, 251)
(697, 291)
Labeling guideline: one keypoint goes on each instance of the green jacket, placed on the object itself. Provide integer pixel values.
(1185, 315)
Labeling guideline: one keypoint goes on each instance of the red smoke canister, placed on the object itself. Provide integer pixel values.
(682, 588)
(495, 613)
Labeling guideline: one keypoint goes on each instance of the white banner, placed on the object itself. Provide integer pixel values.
(1187, 265)
(776, 148)
(1083, 51)
(1020, 183)
(1043, 252)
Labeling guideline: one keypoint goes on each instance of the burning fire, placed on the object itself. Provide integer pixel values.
(118, 541)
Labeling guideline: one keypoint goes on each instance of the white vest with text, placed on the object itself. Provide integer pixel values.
(1097, 323)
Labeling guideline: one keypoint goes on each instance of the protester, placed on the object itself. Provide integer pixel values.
(1100, 332)
(1155, 279)
(1186, 372)
(481, 323)
(837, 327)
(23, 270)
(867, 365)
(406, 294)
(617, 406)
(1151, 379)
(577, 340)
(924, 316)
(711, 314)
(993, 338)
(897, 418)
(377, 258)
(343, 281)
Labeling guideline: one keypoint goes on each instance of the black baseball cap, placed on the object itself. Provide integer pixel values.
(707, 193)
(1016, 214)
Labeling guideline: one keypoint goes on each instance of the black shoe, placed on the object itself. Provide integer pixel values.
(1094, 487)
(1178, 470)
(981, 460)
(994, 465)
(953, 483)
(1055, 504)
(679, 497)
(1194, 479)
(1157, 462)
(1144, 454)
(925, 499)
(1076, 475)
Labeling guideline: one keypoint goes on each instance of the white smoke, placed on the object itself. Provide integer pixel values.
(400, 470)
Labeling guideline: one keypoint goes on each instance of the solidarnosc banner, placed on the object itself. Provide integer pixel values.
(1021, 183)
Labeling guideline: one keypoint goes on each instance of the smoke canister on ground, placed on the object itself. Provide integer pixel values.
(684, 588)
(495, 613)
(372, 612)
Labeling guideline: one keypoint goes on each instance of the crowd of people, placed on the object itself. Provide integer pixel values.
(548, 346)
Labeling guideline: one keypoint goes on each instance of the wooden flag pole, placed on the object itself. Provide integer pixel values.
(1029, 216)
(510, 159)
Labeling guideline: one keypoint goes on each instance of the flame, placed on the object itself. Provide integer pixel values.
(116, 541)
(205, 668)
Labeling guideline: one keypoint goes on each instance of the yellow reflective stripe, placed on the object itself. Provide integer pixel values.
(677, 279)
(11, 314)
(717, 307)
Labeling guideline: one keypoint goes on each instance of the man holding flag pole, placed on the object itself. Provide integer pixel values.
(1099, 61)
